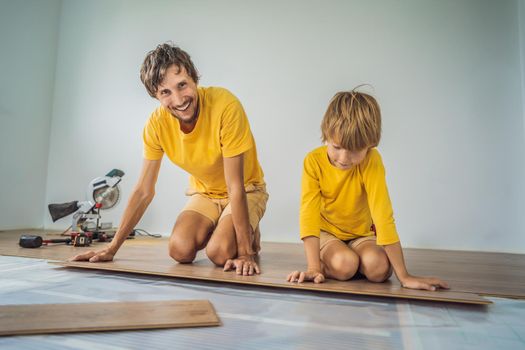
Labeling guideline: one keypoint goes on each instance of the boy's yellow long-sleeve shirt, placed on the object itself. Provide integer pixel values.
(346, 203)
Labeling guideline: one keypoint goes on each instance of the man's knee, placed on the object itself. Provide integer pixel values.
(220, 253)
(183, 252)
(376, 267)
(343, 265)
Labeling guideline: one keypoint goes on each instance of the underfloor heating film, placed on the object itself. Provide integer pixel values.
(256, 318)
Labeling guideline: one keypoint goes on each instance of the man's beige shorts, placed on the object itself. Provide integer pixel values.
(216, 209)
(327, 237)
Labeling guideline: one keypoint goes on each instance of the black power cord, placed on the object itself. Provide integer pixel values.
(142, 232)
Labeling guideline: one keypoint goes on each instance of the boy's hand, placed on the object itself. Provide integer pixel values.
(427, 283)
(302, 276)
(244, 265)
(92, 256)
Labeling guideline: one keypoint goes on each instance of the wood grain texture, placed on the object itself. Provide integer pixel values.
(89, 317)
(470, 274)
(273, 275)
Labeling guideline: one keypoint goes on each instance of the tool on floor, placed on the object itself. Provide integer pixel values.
(102, 193)
(32, 241)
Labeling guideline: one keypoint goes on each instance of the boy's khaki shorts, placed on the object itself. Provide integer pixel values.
(327, 237)
(216, 209)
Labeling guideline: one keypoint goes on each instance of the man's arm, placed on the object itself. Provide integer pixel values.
(395, 255)
(234, 175)
(141, 197)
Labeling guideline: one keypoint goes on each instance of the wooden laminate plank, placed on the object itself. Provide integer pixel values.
(478, 273)
(90, 317)
(201, 270)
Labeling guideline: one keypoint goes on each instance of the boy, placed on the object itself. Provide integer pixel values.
(206, 132)
(346, 217)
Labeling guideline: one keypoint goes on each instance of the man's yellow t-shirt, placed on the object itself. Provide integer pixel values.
(222, 130)
(346, 203)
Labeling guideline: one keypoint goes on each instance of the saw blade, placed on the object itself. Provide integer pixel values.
(107, 196)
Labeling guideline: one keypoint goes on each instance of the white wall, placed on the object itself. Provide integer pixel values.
(521, 5)
(28, 45)
(447, 74)
(520, 212)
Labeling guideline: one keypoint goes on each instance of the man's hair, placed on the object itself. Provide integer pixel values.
(353, 120)
(153, 69)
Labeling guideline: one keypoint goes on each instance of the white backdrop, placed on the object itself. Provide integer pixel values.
(448, 75)
(28, 51)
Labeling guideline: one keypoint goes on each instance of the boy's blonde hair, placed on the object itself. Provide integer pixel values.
(353, 120)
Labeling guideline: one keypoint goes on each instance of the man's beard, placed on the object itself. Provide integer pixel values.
(187, 121)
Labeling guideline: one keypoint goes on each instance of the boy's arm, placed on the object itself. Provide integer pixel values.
(141, 197)
(234, 174)
(374, 180)
(383, 217)
(313, 271)
(312, 250)
(309, 224)
(395, 255)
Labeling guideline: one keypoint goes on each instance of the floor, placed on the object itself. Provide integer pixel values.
(471, 275)
(258, 317)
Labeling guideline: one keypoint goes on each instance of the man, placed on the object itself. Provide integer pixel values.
(206, 132)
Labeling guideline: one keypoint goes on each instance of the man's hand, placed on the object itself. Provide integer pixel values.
(92, 256)
(426, 283)
(302, 276)
(244, 265)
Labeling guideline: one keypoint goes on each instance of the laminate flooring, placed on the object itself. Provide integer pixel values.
(90, 317)
(470, 274)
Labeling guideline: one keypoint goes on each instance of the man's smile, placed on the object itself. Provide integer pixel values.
(184, 107)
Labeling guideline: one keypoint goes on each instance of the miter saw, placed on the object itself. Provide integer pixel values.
(102, 193)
